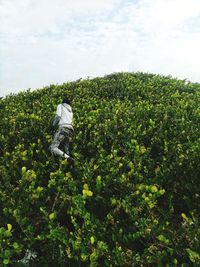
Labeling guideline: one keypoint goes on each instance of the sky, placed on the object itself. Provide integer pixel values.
(45, 42)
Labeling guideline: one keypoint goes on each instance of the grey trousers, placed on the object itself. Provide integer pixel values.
(60, 143)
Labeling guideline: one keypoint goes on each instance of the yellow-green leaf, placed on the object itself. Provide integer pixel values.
(52, 216)
(9, 226)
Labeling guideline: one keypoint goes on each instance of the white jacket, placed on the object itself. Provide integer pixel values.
(64, 116)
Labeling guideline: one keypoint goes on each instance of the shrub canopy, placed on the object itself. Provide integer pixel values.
(133, 196)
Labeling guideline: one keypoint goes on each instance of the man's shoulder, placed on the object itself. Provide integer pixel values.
(59, 106)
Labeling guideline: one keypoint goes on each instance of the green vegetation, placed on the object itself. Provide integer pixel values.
(133, 198)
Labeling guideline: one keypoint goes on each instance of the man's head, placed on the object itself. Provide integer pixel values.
(66, 100)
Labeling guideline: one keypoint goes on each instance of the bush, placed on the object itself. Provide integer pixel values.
(132, 198)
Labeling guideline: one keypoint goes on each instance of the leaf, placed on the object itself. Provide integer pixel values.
(6, 261)
(52, 216)
(92, 240)
(184, 216)
(9, 226)
(154, 189)
(85, 186)
(194, 256)
(89, 193)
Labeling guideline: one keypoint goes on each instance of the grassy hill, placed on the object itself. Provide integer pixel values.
(133, 197)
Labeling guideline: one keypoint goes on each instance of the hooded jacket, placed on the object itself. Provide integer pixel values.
(64, 116)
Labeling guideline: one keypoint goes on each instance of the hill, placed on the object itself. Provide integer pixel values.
(133, 196)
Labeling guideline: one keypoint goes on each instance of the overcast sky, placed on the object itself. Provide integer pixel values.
(46, 42)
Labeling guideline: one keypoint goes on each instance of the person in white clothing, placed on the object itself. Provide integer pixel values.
(64, 119)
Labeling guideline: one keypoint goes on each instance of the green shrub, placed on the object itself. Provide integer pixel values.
(132, 198)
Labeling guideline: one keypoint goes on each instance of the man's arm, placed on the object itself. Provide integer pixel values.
(58, 116)
(56, 120)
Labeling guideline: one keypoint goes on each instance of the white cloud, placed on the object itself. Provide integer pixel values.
(170, 47)
(22, 17)
(45, 42)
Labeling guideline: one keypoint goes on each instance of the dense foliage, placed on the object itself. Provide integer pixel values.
(133, 196)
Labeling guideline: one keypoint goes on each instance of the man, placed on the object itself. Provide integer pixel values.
(64, 118)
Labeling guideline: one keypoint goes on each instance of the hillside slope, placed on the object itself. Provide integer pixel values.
(136, 148)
